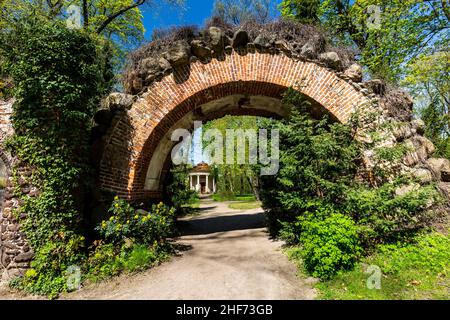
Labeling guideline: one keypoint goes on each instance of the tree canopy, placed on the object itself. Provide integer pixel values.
(405, 42)
(117, 20)
(387, 33)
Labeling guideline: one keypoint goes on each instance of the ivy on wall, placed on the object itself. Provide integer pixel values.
(59, 75)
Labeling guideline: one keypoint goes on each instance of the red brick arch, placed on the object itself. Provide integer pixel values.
(131, 144)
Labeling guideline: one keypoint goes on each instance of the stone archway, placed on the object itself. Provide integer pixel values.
(137, 143)
(197, 82)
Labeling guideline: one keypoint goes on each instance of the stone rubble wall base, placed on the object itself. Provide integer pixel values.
(395, 130)
(15, 253)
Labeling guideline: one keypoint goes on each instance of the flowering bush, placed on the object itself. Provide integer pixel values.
(139, 226)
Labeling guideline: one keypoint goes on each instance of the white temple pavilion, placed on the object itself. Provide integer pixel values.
(201, 180)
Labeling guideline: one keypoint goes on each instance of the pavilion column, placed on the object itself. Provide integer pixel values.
(214, 185)
(207, 184)
(198, 186)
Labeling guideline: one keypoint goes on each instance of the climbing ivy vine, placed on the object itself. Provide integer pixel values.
(59, 76)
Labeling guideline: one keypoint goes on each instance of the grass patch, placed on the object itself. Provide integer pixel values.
(417, 271)
(227, 197)
(106, 261)
(246, 205)
(245, 198)
(189, 208)
(193, 204)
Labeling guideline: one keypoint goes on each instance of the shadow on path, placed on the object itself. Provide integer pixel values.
(203, 226)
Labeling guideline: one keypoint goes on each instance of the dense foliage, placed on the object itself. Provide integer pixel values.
(118, 20)
(387, 33)
(233, 178)
(106, 260)
(318, 181)
(178, 190)
(316, 201)
(429, 81)
(317, 165)
(305, 11)
(58, 76)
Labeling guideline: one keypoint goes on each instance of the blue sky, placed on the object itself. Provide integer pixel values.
(196, 12)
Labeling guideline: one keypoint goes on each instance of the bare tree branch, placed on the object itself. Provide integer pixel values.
(55, 7)
(115, 15)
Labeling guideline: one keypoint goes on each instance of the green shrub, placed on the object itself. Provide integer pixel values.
(47, 275)
(133, 240)
(387, 217)
(44, 284)
(181, 195)
(319, 161)
(290, 232)
(329, 245)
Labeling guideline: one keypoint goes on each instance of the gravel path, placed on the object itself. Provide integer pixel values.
(227, 255)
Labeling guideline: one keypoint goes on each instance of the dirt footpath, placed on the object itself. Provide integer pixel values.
(227, 255)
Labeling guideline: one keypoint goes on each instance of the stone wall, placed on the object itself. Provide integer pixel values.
(15, 253)
(395, 127)
(6, 128)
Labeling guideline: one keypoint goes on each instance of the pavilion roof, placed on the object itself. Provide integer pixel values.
(201, 167)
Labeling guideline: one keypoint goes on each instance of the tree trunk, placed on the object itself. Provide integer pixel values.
(85, 14)
(254, 187)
